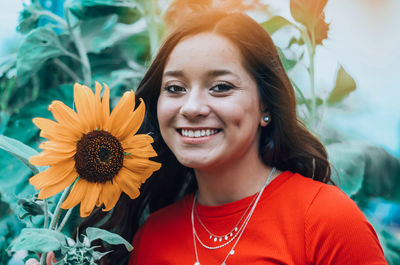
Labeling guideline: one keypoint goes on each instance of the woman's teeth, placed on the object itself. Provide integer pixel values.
(198, 133)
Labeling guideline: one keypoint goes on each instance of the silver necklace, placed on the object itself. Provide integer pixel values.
(228, 236)
(240, 230)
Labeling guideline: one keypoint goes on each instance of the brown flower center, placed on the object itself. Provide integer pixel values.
(99, 156)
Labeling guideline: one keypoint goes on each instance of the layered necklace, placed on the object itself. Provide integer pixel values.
(234, 234)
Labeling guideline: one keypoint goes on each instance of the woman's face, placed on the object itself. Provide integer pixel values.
(209, 108)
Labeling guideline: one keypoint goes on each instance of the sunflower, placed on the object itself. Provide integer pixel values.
(97, 150)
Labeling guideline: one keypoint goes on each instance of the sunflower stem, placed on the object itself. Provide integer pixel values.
(65, 219)
(46, 213)
(56, 216)
(57, 211)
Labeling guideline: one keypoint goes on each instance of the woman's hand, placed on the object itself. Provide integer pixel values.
(50, 259)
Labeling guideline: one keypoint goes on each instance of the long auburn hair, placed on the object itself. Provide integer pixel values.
(285, 143)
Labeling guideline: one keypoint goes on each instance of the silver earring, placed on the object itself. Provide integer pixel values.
(266, 118)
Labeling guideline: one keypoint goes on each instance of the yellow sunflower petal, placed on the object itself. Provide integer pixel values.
(105, 102)
(118, 115)
(66, 116)
(133, 123)
(54, 131)
(90, 199)
(139, 146)
(48, 157)
(141, 166)
(54, 174)
(84, 102)
(76, 195)
(128, 182)
(52, 190)
(62, 147)
(109, 195)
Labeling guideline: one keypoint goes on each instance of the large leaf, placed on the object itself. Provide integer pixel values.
(38, 240)
(94, 233)
(39, 45)
(103, 32)
(19, 150)
(345, 84)
(276, 23)
(95, 8)
(348, 161)
(382, 175)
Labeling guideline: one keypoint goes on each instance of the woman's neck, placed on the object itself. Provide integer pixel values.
(231, 182)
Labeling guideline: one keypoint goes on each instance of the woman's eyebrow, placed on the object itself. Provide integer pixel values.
(175, 73)
(219, 72)
(211, 73)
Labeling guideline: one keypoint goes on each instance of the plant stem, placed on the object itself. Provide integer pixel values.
(53, 16)
(57, 211)
(64, 221)
(46, 213)
(66, 69)
(56, 216)
(311, 70)
(76, 37)
(152, 26)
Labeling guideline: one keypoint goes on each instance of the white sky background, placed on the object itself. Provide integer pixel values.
(364, 37)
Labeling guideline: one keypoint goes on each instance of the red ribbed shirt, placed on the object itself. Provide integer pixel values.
(296, 221)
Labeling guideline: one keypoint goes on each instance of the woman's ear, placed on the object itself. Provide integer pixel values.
(265, 119)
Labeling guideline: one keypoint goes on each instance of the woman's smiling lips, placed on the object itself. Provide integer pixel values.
(197, 135)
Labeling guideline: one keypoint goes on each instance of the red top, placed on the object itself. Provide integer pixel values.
(296, 221)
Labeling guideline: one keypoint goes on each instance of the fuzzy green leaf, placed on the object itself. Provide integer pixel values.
(345, 84)
(349, 162)
(39, 45)
(19, 150)
(94, 233)
(38, 240)
(276, 23)
(104, 32)
(95, 8)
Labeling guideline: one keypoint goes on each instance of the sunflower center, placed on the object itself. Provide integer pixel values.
(99, 156)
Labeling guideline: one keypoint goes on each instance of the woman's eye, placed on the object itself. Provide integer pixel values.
(174, 89)
(220, 88)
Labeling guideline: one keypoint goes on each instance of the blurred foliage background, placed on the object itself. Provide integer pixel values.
(61, 42)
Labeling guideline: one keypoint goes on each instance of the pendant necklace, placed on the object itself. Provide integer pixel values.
(239, 230)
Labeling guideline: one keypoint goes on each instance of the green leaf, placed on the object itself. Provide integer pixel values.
(288, 64)
(94, 233)
(294, 40)
(345, 84)
(19, 150)
(104, 32)
(276, 23)
(382, 171)
(349, 162)
(38, 240)
(39, 45)
(94, 8)
(29, 19)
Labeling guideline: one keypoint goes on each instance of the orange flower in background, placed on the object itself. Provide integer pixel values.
(310, 13)
(98, 147)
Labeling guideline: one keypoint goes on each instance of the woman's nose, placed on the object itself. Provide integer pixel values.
(195, 104)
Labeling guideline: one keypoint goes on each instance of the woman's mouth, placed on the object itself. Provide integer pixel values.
(197, 133)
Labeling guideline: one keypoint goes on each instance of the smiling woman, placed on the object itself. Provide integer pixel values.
(242, 181)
